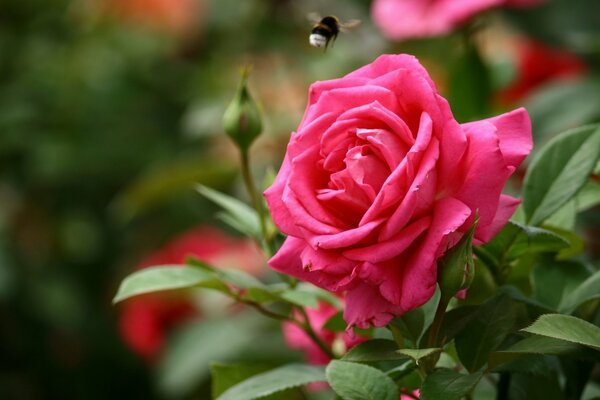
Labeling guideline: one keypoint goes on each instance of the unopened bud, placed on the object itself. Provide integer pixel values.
(456, 267)
(242, 119)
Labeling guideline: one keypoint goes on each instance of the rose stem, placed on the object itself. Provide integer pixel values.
(434, 331)
(305, 325)
(256, 201)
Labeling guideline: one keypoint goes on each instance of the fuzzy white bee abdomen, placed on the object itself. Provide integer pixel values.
(317, 40)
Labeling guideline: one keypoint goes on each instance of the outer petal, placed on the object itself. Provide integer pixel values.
(514, 132)
(295, 252)
(506, 208)
(485, 174)
(274, 195)
(365, 307)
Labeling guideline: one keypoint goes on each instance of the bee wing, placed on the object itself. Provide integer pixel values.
(313, 17)
(349, 25)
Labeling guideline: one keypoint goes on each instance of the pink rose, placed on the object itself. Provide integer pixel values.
(380, 179)
(404, 19)
(296, 338)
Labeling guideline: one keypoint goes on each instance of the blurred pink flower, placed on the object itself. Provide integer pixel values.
(405, 19)
(296, 338)
(145, 320)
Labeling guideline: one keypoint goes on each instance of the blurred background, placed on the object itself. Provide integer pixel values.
(110, 112)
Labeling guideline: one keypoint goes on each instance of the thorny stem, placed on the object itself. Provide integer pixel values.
(256, 201)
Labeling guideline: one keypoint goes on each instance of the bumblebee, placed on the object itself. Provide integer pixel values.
(326, 29)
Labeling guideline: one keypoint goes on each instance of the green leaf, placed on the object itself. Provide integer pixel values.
(246, 218)
(282, 378)
(588, 196)
(515, 294)
(533, 345)
(485, 332)
(586, 291)
(446, 384)
(528, 387)
(360, 382)
(302, 298)
(568, 328)
(418, 354)
(559, 171)
(456, 320)
(185, 364)
(374, 350)
(336, 323)
(551, 280)
(530, 364)
(516, 239)
(224, 376)
(265, 294)
(410, 325)
(239, 278)
(565, 217)
(167, 277)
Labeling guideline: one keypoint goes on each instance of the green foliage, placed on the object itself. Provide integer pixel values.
(553, 281)
(559, 171)
(276, 380)
(533, 345)
(159, 278)
(445, 384)
(567, 328)
(237, 214)
(587, 291)
(353, 381)
(374, 350)
(186, 363)
(485, 332)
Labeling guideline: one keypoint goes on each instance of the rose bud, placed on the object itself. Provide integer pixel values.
(242, 119)
(456, 267)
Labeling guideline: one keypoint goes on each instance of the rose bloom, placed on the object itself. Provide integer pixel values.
(145, 320)
(296, 338)
(537, 65)
(405, 19)
(380, 180)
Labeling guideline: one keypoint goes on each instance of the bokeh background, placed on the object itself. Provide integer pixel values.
(110, 112)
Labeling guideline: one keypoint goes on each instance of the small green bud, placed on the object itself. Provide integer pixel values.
(456, 267)
(242, 119)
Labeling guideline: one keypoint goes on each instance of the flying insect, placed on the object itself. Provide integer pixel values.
(325, 30)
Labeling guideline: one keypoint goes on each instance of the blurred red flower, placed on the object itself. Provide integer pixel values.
(177, 17)
(538, 64)
(146, 320)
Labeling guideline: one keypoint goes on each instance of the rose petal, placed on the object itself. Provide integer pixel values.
(514, 132)
(365, 307)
